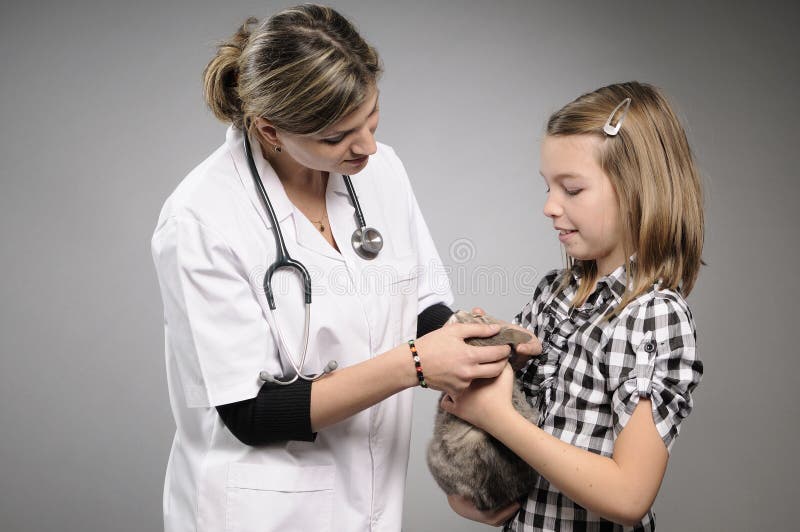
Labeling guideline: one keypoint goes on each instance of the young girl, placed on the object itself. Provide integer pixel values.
(619, 364)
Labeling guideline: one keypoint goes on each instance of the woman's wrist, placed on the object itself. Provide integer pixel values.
(403, 366)
(417, 364)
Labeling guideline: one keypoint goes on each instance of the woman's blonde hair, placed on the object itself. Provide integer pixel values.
(303, 69)
(653, 172)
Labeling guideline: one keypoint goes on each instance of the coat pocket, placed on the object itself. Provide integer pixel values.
(402, 293)
(263, 498)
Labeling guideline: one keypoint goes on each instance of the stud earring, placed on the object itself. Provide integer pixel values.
(278, 149)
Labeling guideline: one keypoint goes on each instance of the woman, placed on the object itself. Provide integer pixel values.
(258, 454)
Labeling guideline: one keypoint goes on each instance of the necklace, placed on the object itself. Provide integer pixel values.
(318, 223)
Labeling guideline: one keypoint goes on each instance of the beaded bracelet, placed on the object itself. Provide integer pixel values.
(417, 364)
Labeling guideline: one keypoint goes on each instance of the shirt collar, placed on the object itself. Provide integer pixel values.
(613, 284)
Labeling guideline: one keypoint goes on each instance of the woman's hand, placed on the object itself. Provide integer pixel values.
(450, 365)
(466, 508)
(484, 401)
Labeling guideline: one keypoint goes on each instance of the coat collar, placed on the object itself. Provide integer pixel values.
(336, 185)
(306, 235)
(234, 138)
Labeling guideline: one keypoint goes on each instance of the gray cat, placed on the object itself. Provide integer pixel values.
(467, 461)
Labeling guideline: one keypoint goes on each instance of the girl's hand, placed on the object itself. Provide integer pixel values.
(466, 508)
(450, 365)
(484, 401)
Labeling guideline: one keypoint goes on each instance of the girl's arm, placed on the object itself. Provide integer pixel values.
(621, 488)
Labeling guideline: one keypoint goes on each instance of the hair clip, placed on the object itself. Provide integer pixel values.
(610, 130)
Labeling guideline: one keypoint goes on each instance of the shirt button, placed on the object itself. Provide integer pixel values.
(649, 347)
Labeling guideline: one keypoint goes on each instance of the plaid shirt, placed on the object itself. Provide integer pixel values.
(591, 373)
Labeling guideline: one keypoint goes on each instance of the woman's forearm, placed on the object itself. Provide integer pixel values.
(347, 391)
(449, 365)
(619, 488)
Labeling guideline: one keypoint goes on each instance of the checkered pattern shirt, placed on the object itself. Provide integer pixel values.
(591, 373)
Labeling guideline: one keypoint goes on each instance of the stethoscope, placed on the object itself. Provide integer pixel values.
(367, 242)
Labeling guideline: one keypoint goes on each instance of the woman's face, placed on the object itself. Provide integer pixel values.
(344, 147)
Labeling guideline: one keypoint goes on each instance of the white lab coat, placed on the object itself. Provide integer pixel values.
(211, 248)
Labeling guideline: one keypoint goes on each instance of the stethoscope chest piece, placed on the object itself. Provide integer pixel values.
(367, 242)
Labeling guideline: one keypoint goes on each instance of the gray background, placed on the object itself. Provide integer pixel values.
(102, 115)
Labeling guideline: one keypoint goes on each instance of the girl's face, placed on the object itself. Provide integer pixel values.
(344, 147)
(581, 201)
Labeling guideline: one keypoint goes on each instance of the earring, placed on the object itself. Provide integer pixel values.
(277, 149)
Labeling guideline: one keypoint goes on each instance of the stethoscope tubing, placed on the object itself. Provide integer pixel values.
(362, 225)
(282, 257)
(284, 260)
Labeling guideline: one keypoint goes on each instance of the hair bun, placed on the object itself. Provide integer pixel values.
(221, 76)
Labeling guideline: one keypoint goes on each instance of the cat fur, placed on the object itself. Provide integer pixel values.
(467, 461)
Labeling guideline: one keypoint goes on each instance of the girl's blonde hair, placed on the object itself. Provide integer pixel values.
(653, 172)
(302, 70)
